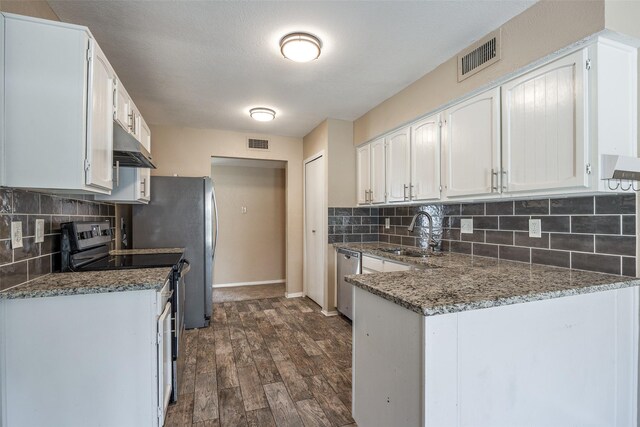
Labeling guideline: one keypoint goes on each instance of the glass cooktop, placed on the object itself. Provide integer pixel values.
(117, 262)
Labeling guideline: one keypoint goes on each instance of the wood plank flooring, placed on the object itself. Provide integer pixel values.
(266, 362)
(243, 293)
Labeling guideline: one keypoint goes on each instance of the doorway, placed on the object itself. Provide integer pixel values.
(250, 257)
(315, 229)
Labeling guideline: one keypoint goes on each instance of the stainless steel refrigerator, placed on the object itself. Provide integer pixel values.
(181, 213)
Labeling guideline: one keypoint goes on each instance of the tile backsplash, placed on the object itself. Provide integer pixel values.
(586, 233)
(37, 259)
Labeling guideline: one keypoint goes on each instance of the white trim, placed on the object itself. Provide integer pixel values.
(261, 282)
(294, 294)
(329, 313)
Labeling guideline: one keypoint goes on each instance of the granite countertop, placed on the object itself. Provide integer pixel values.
(451, 283)
(150, 251)
(90, 282)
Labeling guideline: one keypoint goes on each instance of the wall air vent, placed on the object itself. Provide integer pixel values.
(479, 56)
(257, 144)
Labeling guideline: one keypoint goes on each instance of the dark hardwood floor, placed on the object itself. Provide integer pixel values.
(266, 362)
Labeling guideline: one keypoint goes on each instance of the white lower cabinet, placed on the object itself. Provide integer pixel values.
(559, 362)
(380, 265)
(86, 360)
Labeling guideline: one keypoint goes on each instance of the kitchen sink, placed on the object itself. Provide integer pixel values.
(413, 253)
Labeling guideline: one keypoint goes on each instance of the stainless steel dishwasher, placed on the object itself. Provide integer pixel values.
(348, 263)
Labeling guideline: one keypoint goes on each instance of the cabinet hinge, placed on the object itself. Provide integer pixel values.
(159, 338)
(439, 124)
(89, 51)
(588, 168)
(87, 164)
(160, 412)
(440, 188)
(588, 64)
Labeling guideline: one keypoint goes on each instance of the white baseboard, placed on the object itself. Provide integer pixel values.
(329, 313)
(262, 282)
(294, 294)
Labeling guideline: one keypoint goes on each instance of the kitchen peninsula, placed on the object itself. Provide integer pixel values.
(462, 340)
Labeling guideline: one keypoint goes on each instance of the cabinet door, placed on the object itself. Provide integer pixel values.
(543, 127)
(99, 165)
(121, 114)
(471, 149)
(425, 159)
(377, 194)
(397, 161)
(145, 134)
(363, 184)
(144, 184)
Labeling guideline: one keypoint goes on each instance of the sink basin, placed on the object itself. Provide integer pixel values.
(413, 253)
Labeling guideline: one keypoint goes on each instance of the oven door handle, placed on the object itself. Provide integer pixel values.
(183, 269)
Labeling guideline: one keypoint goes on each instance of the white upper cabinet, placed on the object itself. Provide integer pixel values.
(363, 159)
(544, 144)
(471, 146)
(58, 108)
(100, 123)
(377, 193)
(122, 104)
(371, 173)
(398, 158)
(425, 159)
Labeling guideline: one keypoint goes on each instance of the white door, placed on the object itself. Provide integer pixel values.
(543, 127)
(363, 163)
(471, 151)
(378, 187)
(99, 165)
(398, 172)
(425, 159)
(314, 225)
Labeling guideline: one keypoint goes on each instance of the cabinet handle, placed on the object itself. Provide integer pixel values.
(505, 177)
(143, 190)
(117, 173)
(494, 174)
(404, 192)
(370, 196)
(132, 122)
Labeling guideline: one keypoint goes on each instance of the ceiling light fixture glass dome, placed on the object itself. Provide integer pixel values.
(300, 47)
(262, 114)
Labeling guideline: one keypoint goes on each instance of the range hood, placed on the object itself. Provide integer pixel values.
(620, 167)
(128, 151)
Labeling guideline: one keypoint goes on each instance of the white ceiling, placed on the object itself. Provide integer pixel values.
(205, 63)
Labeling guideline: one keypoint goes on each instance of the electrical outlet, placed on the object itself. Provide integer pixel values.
(39, 230)
(466, 225)
(387, 223)
(535, 228)
(16, 234)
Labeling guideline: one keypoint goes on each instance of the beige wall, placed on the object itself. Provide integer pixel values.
(188, 152)
(251, 245)
(35, 8)
(334, 138)
(539, 31)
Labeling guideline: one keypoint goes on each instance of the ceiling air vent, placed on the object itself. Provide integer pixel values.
(479, 56)
(258, 144)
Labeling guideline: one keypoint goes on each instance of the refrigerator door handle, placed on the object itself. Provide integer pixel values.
(215, 229)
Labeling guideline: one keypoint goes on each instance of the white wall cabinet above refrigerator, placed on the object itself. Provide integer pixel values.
(58, 108)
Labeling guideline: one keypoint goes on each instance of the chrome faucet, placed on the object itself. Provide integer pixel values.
(432, 241)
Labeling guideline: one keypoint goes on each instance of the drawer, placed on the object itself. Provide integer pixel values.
(374, 264)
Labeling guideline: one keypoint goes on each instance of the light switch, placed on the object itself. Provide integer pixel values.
(39, 230)
(244, 209)
(466, 225)
(16, 234)
(387, 223)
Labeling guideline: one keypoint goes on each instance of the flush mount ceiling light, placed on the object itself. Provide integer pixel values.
(262, 114)
(300, 47)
